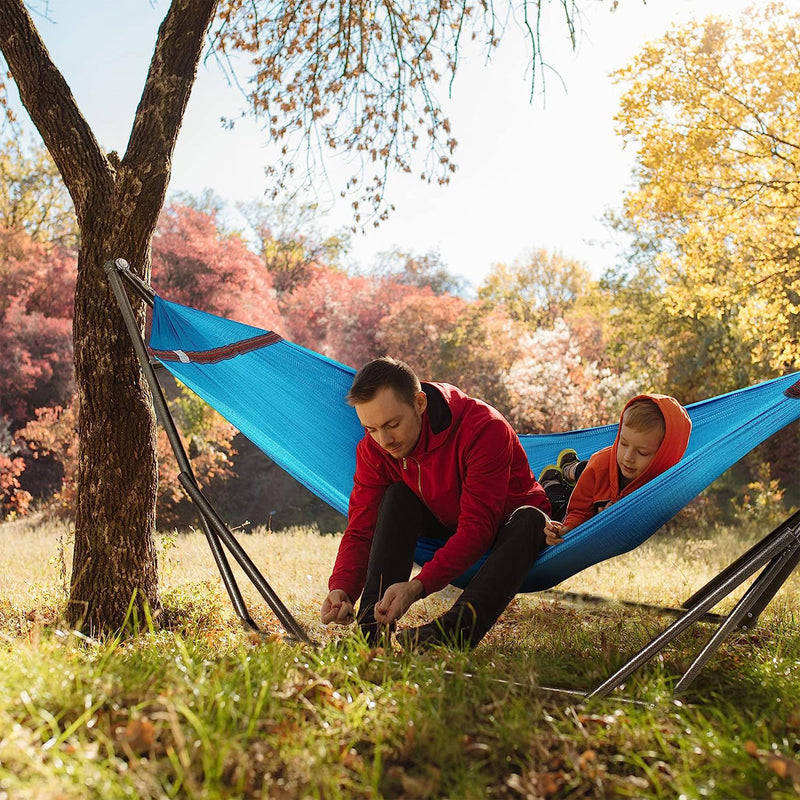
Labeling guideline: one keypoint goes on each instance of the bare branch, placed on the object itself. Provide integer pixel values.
(359, 77)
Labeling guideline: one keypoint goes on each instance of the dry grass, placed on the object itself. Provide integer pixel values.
(670, 567)
(38, 557)
(296, 562)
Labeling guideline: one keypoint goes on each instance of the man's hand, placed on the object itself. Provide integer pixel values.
(337, 607)
(554, 532)
(397, 600)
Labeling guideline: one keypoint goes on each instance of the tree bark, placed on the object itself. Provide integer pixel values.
(117, 204)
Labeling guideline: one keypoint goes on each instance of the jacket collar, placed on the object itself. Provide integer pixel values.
(437, 419)
(439, 414)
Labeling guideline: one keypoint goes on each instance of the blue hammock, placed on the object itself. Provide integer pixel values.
(290, 402)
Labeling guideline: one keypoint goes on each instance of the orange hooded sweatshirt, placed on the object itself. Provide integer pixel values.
(599, 483)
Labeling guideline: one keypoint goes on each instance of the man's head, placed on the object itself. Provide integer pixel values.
(641, 432)
(389, 402)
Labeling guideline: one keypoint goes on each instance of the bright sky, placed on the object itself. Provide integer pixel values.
(532, 173)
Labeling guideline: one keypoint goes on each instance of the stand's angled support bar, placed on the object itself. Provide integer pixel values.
(771, 589)
(115, 270)
(766, 553)
(732, 568)
(744, 608)
(210, 522)
(224, 568)
(245, 562)
(593, 599)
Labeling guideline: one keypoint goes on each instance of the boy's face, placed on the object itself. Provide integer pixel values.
(636, 449)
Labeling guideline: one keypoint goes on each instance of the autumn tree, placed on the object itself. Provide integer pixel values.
(290, 243)
(33, 197)
(339, 315)
(425, 270)
(38, 234)
(199, 265)
(713, 291)
(552, 387)
(412, 329)
(352, 77)
(536, 289)
(14, 499)
(37, 284)
(52, 435)
(447, 338)
(543, 289)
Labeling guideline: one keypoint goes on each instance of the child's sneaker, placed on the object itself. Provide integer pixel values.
(566, 463)
(550, 474)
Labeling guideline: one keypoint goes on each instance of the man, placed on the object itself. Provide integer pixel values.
(435, 463)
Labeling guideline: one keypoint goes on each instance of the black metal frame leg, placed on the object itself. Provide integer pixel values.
(769, 548)
(216, 531)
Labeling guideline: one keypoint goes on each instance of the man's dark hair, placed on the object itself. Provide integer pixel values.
(381, 373)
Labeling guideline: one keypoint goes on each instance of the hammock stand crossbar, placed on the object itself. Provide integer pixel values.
(774, 557)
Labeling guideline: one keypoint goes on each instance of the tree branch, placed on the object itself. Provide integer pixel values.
(52, 107)
(172, 74)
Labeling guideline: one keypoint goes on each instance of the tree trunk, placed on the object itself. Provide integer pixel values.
(117, 205)
(115, 558)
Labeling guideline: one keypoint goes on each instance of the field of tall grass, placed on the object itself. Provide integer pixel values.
(193, 706)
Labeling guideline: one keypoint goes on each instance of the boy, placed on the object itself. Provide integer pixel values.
(653, 434)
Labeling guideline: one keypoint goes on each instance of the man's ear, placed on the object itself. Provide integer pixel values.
(421, 402)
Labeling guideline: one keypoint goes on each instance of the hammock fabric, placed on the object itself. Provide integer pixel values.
(290, 402)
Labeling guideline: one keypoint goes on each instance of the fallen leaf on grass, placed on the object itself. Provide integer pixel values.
(588, 765)
(138, 735)
(372, 654)
(535, 785)
(783, 766)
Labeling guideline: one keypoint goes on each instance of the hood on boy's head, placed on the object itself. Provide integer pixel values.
(677, 425)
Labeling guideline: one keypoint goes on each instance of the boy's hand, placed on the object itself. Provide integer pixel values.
(554, 532)
(337, 607)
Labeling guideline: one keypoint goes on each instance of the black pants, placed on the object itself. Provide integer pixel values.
(403, 518)
(559, 493)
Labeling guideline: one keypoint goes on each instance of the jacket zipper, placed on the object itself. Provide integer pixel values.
(419, 476)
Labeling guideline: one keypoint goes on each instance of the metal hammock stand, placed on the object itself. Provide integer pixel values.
(774, 558)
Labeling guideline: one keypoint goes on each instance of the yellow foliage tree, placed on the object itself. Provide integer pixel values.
(713, 109)
(33, 197)
(537, 289)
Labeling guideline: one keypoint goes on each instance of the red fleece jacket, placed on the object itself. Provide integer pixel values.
(469, 469)
(599, 483)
